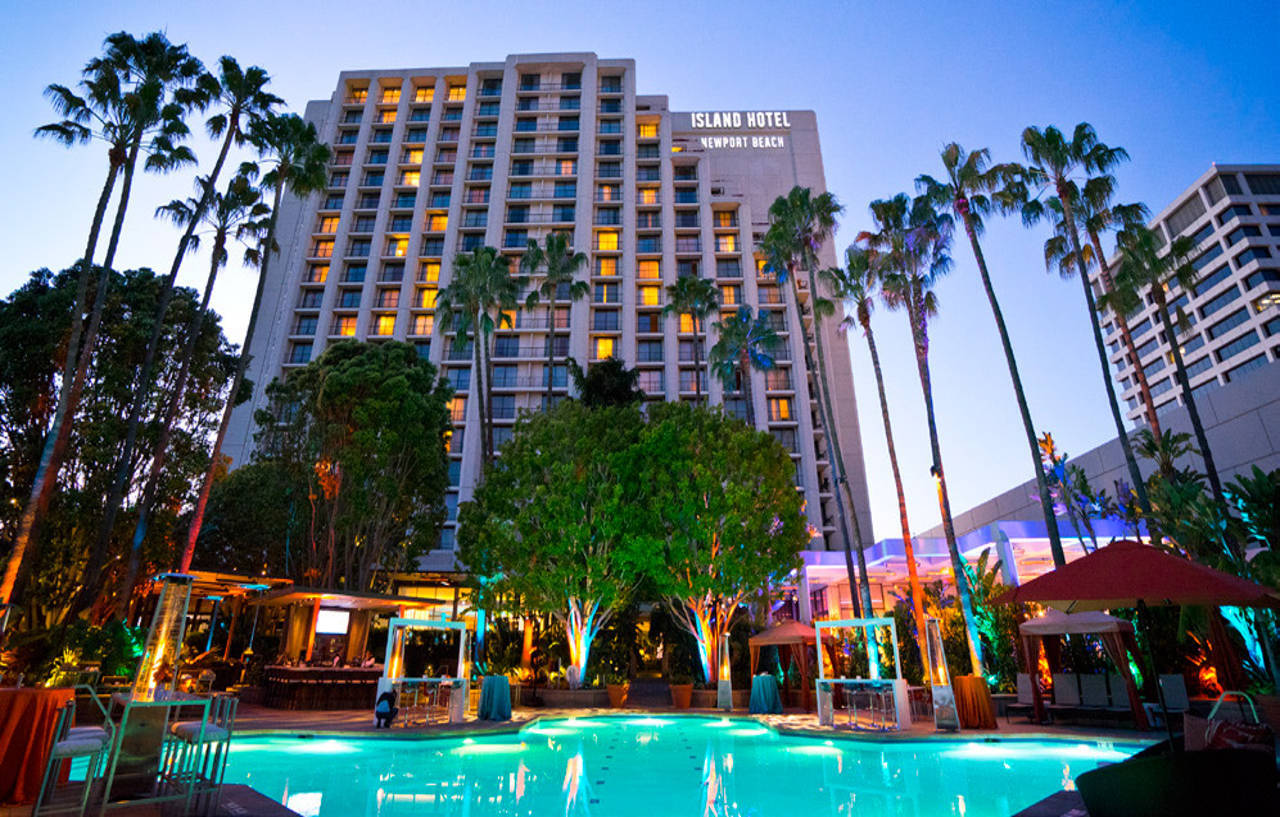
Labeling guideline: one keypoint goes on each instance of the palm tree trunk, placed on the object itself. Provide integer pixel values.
(551, 354)
(195, 329)
(124, 467)
(477, 363)
(913, 575)
(697, 362)
(42, 485)
(744, 377)
(242, 364)
(1042, 486)
(487, 360)
(1148, 403)
(1068, 216)
(850, 571)
(1184, 382)
(964, 592)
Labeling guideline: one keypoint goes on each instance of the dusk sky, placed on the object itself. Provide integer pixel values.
(1180, 85)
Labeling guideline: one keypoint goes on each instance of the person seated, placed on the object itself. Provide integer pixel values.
(384, 711)
(368, 660)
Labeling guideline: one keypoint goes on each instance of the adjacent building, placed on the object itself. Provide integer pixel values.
(433, 162)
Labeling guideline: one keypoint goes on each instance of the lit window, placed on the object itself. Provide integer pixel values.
(648, 269)
(726, 243)
(729, 295)
(317, 273)
(437, 223)
(603, 348)
(608, 192)
(648, 130)
(430, 272)
(423, 324)
(650, 296)
(345, 326)
(568, 167)
(359, 94)
(424, 93)
(427, 297)
(648, 195)
(606, 240)
(412, 156)
(458, 409)
(410, 178)
(606, 266)
(397, 247)
(385, 325)
(388, 298)
(323, 248)
(387, 116)
(390, 95)
(328, 224)
(457, 93)
(686, 323)
(724, 218)
(779, 408)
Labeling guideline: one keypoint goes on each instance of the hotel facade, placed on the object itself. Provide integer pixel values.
(429, 163)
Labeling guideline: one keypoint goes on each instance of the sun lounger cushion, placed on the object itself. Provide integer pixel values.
(1174, 688)
(1066, 690)
(1093, 691)
(1024, 689)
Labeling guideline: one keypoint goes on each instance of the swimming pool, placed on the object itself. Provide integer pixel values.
(659, 767)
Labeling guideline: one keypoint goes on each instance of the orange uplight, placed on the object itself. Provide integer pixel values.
(1208, 677)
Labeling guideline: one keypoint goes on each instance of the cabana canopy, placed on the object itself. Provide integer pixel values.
(1057, 623)
(794, 636)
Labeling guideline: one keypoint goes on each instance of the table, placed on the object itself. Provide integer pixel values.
(495, 699)
(764, 696)
(973, 702)
(27, 720)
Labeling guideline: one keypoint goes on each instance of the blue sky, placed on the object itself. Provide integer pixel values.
(1180, 85)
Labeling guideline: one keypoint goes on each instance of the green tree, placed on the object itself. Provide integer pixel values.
(799, 224)
(560, 282)
(720, 506)
(298, 161)
(699, 298)
(481, 296)
(1054, 164)
(965, 193)
(745, 342)
(367, 423)
(257, 516)
(856, 285)
(556, 519)
(606, 383)
(911, 245)
(135, 93)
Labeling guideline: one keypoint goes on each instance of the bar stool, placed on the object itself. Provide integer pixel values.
(199, 751)
(93, 745)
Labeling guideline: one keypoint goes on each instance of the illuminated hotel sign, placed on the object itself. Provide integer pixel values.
(747, 120)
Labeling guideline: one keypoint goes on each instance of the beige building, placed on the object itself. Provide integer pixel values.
(432, 162)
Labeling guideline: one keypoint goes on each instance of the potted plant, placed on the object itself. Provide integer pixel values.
(617, 685)
(681, 684)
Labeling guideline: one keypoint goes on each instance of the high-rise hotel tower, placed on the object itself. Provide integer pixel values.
(429, 163)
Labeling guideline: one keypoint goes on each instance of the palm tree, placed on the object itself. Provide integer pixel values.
(481, 296)
(1054, 161)
(243, 100)
(699, 298)
(134, 94)
(799, 224)
(1143, 268)
(856, 285)
(745, 342)
(562, 266)
(964, 193)
(239, 213)
(911, 244)
(298, 162)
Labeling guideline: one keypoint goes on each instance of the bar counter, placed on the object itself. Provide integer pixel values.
(321, 687)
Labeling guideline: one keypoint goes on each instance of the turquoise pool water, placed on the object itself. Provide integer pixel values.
(659, 767)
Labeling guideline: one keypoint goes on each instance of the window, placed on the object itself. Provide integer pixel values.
(1207, 283)
(357, 95)
(726, 218)
(363, 224)
(457, 93)
(686, 324)
(410, 178)
(447, 156)
(608, 192)
(472, 242)
(333, 202)
(424, 93)
(390, 95)
(567, 123)
(480, 173)
(459, 379)
(779, 408)
(607, 294)
(571, 80)
(384, 325)
(411, 156)
(647, 130)
(305, 325)
(1263, 184)
(649, 351)
(437, 223)
(607, 266)
(687, 268)
(567, 167)
(300, 352)
(422, 324)
(441, 200)
(1252, 254)
(421, 114)
(606, 240)
(433, 247)
(405, 199)
(693, 379)
(449, 134)
(429, 272)
(648, 270)
(381, 136)
(397, 247)
(458, 409)
(647, 195)
(729, 295)
(648, 322)
(602, 348)
(522, 167)
(349, 299)
(650, 296)
(416, 135)
(374, 178)
(565, 190)
(426, 298)
(520, 190)
(1260, 277)
(442, 177)
(400, 223)
(605, 320)
(388, 298)
(392, 273)
(311, 299)
(515, 239)
(317, 273)
(345, 325)
(728, 268)
(1219, 301)
(504, 406)
(778, 379)
(726, 243)
(487, 109)
(1228, 323)
(1238, 345)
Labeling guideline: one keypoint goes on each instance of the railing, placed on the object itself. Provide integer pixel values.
(540, 218)
(539, 151)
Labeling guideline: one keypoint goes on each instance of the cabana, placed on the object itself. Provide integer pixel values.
(797, 638)
(1117, 639)
(875, 684)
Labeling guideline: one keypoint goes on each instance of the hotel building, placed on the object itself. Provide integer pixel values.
(429, 163)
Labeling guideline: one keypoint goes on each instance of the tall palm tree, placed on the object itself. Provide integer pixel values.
(799, 224)
(856, 285)
(912, 244)
(964, 192)
(1097, 214)
(699, 298)
(1054, 162)
(243, 99)
(298, 162)
(561, 265)
(1143, 268)
(481, 295)
(135, 98)
(745, 342)
(238, 213)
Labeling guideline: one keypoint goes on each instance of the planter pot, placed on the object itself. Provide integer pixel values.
(681, 695)
(704, 699)
(618, 694)
(574, 698)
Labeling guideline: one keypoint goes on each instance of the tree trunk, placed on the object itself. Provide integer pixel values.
(124, 467)
(206, 485)
(913, 575)
(1068, 217)
(697, 361)
(1148, 403)
(1042, 485)
(744, 378)
(477, 363)
(551, 354)
(158, 459)
(964, 592)
(43, 483)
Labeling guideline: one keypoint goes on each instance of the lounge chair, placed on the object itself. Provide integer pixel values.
(1174, 688)
(1025, 702)
(1066, 694)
